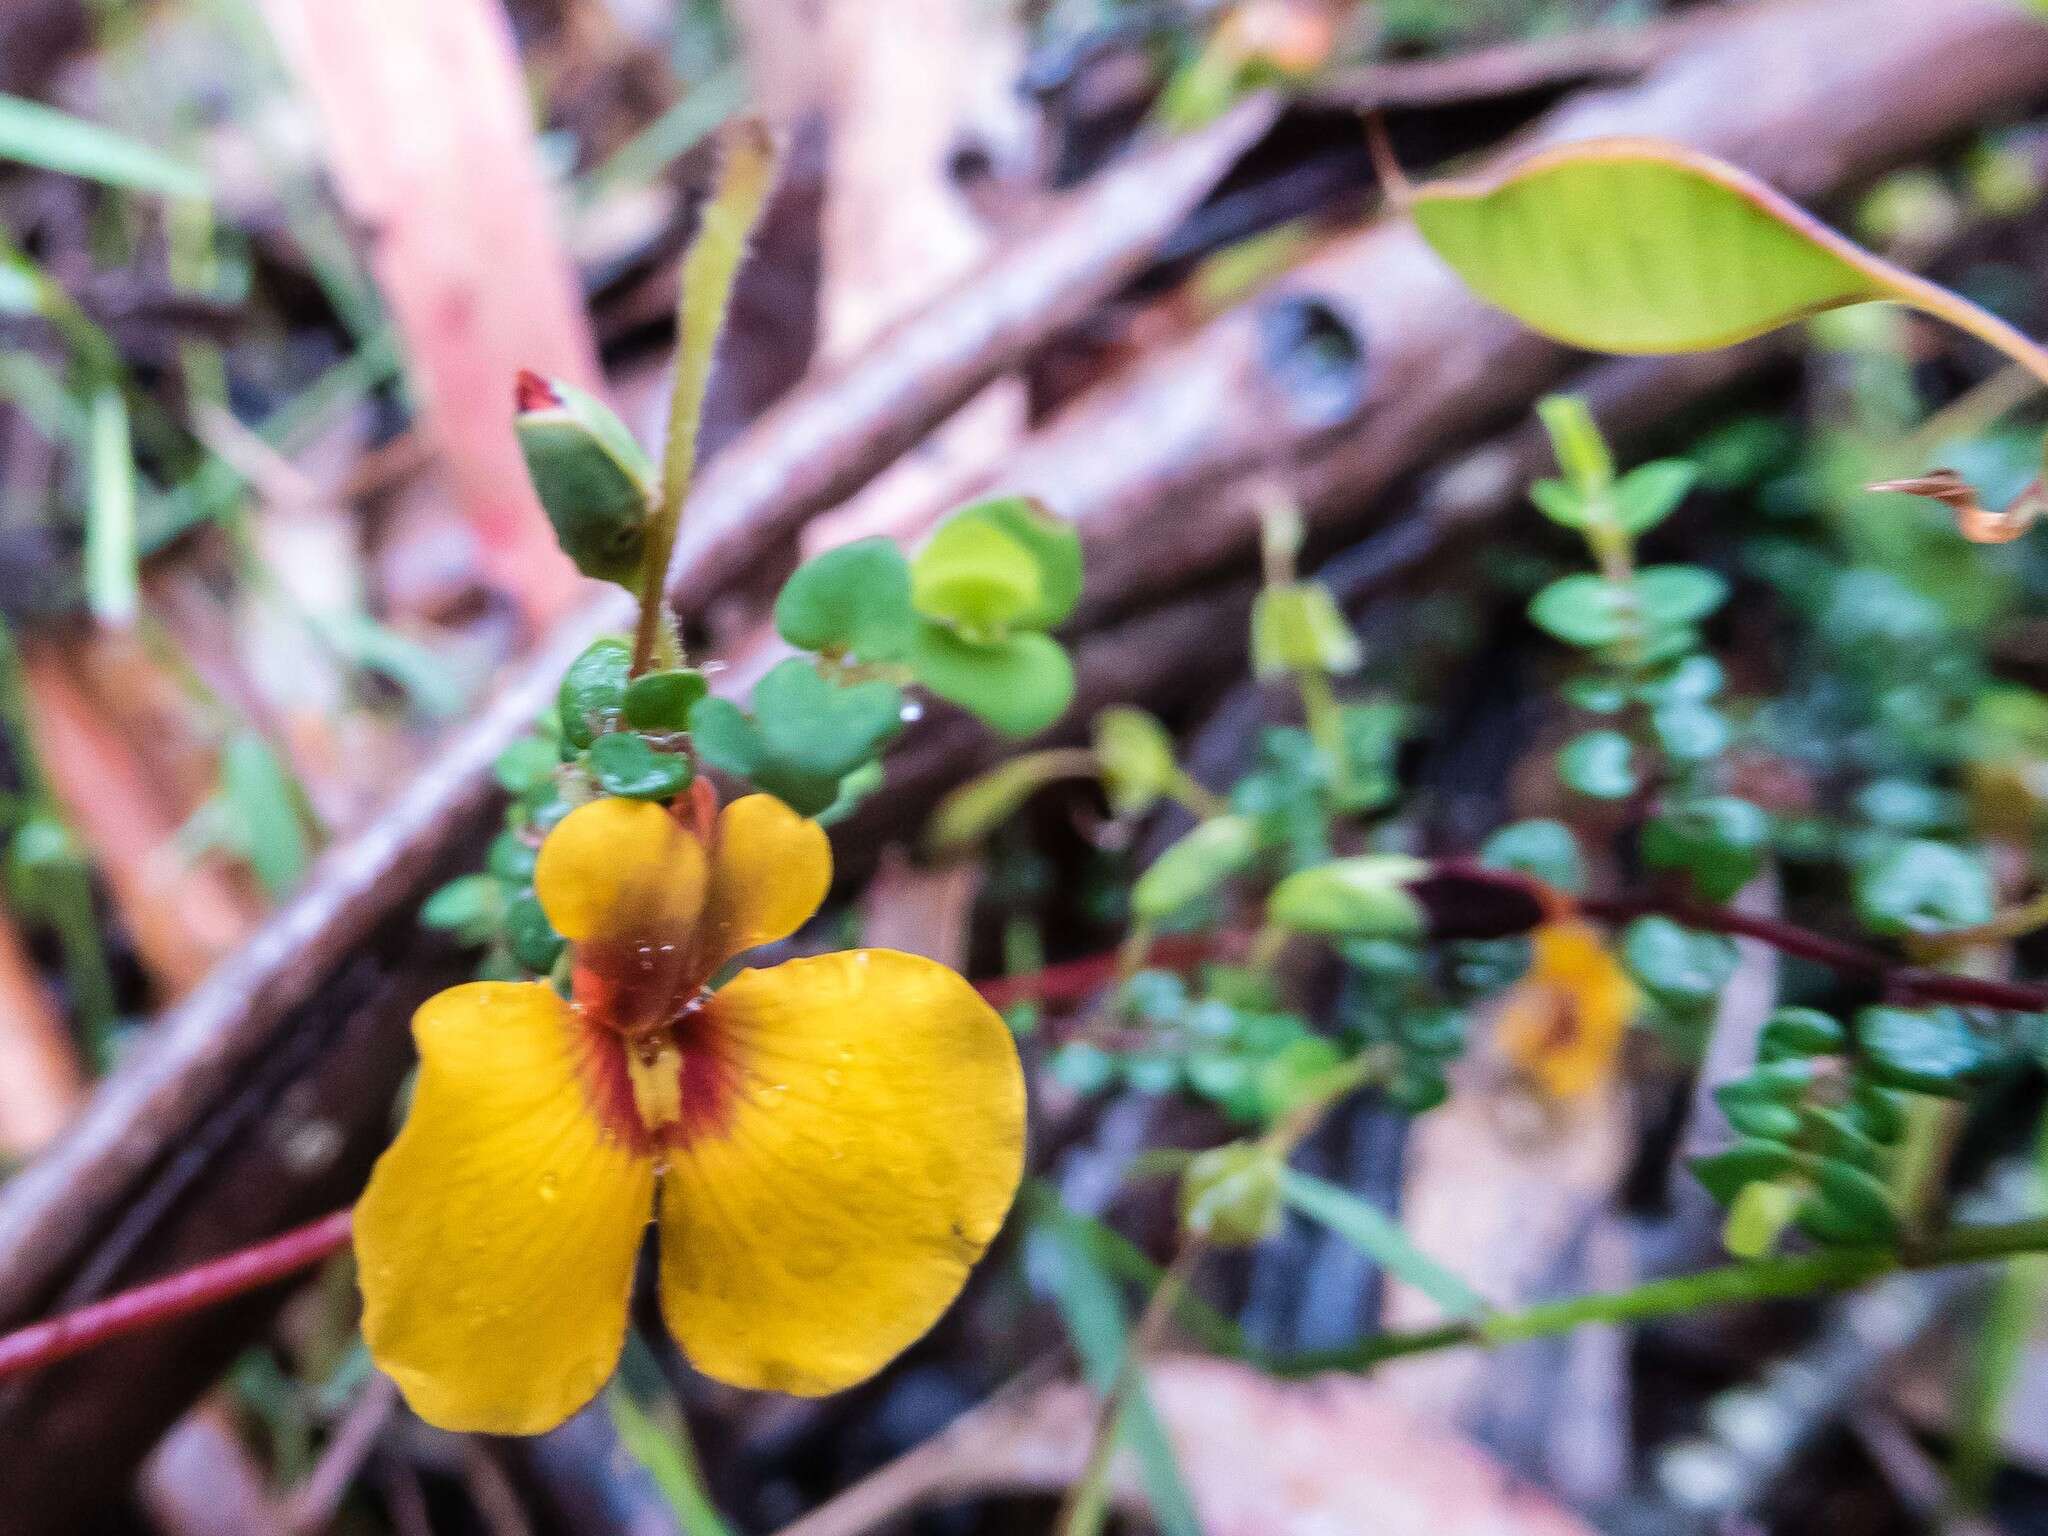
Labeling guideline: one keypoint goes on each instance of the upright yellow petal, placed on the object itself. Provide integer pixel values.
(1563, 1024)
(496, 1240)
(622, 872)
(771, 870)
(872, 1148)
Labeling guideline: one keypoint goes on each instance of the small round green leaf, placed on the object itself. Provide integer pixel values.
(629, 765)
(662, 701)
(593, 692)
(1600, 764)
(974, 577)
(1018, 685)
(853, 600)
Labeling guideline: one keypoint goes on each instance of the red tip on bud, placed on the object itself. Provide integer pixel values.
(534, 393)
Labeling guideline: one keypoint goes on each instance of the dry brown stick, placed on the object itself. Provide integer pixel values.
(1508, 69)
(829, 439)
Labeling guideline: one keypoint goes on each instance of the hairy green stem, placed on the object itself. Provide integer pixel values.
(746, 175)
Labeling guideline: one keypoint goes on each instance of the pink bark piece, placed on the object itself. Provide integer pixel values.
(432, 145)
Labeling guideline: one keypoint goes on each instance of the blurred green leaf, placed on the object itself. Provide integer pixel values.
(1019, 685)
(1600, 764)
(854, 599)
(593, 691)
(112, 563)
(1929, 1050)
(1094, 1315)
(1719, 841)
(1547, 850)
(41, 136)
(1382, 1239)
(1137, 759)
(1918, 886)
(1196, 865)
(265, 802)
(1365, 896)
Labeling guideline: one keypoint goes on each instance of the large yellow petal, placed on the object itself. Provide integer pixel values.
(496, 1240)
(621, 872)
(771, 870)
(872, 1149)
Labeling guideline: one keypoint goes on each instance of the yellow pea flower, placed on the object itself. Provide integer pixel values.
(826, 1147)
(1562, 1024)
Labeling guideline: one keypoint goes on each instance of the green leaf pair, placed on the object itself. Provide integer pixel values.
(1593, 613)
(967, 617)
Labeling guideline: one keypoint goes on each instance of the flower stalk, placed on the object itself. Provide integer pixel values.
(746, 175)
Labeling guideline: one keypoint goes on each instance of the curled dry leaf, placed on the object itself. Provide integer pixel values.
(1975, 521)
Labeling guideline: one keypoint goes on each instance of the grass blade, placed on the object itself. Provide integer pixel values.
(112, 572)
(1380, 1238)
(56, 141)
(1093, 1312)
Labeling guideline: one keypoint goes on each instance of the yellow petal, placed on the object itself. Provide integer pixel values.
(873, 1147)
(1563, 1024)
(496, 1240)
(770, 872)
(621, 872)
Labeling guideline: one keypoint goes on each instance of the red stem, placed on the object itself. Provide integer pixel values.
(190, 1290)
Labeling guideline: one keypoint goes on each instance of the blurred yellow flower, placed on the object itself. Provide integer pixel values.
(1563, 1023)
(826, 1146)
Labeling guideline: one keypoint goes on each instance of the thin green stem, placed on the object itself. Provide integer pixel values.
(1087, 1502)
(746, 174)
(1325, 722)
(1834, 1269)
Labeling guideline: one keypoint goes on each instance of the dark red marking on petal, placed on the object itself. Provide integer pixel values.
(706, 1063)
(630, 988)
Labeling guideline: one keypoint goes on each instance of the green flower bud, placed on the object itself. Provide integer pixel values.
(593, 480)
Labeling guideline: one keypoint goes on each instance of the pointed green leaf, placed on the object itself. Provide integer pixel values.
(1630, 245)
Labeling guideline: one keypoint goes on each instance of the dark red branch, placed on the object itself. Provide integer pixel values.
(191, 1290)
(1466, 900)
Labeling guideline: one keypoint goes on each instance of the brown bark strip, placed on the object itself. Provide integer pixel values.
(827, 440)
